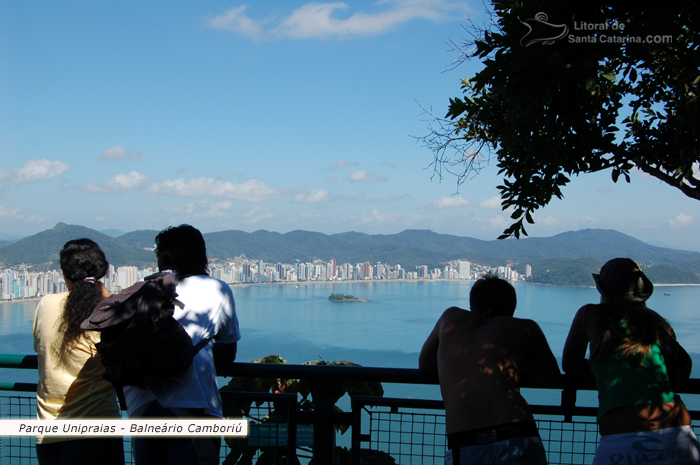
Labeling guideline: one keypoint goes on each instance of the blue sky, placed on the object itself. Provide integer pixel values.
(280, 115)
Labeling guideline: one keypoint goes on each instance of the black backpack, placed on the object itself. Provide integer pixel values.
(141, 341)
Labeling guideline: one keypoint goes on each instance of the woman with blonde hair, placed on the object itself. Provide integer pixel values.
(71, 385)
(632, 354)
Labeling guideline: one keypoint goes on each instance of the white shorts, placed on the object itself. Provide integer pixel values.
(670, 446)
(514, 451)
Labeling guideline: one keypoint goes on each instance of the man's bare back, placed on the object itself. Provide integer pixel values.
(480, 365)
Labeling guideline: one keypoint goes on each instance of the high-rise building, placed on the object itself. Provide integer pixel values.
(464, 269)
(126, 276)
(366, 271)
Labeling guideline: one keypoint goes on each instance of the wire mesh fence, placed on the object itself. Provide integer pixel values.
(384, 431)
(272, 440)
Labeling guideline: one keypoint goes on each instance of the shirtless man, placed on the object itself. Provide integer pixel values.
(480, 357)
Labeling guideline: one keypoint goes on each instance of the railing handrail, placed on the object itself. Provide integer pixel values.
(342, 373)
(326, 379)
(320, 372)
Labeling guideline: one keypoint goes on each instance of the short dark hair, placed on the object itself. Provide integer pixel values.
(182, 249)
(494, 294)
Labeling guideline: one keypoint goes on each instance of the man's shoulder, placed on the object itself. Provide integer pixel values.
(205, 282)
(205, 290)
(455, 313)
(524, 323)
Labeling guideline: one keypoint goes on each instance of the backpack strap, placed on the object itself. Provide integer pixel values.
(120, 396)
(201, 344)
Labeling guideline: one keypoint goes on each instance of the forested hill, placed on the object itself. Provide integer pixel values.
(43, 248)
(577, 272)
(569, 253)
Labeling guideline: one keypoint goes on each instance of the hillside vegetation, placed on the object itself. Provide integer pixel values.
(565, 259)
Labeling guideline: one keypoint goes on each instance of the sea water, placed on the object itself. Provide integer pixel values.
(299, 323)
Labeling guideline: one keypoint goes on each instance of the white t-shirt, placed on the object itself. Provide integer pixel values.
(209, 312)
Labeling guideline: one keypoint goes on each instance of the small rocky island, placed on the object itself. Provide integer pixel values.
(345, 298)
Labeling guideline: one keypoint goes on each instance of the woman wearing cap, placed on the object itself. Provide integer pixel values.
(71, 386)
(639, 414)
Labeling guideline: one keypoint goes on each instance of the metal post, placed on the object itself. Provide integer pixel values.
(568, 403)
(324, 394)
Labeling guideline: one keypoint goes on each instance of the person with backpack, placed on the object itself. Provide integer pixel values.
(637, 366)
(207, 312)
(71, 385)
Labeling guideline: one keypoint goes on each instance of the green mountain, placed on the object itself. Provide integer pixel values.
(577, 272)
(142, 239)
(570, 257)
(45, 246)
(305, 246)
(112, 232)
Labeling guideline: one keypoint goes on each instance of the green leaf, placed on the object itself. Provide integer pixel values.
(591, 84)
(609, 75)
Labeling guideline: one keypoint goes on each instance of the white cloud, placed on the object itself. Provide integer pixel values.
(315, 196)
(215, 210)
(120, 183)
(316, 20)
(202, 209)
(15, 214)
(119, 152)
(324, 20)
(393, 218)
(494, 222)
(10, 213)
(492, 203)
(583, 221)
(235, 20)
(250, 191)
(449, 202)
(389, 198)
(681, 220)
(548, 220)
(256, 215)
(34, 171)
(341, 164)
(173, 208)
(35, 218)
(361, 176)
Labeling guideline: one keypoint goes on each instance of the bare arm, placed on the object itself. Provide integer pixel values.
(574, 360)
(542, 365)
(427, 361)
(224, 353)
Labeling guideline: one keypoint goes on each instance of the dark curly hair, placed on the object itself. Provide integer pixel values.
(80, 259)
(182, 249)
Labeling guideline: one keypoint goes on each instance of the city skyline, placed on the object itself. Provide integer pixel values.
(278, 116)
(18, 283)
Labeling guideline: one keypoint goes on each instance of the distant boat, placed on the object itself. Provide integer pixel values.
(666, 293)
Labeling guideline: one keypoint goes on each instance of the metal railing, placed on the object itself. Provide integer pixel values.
(383, 430)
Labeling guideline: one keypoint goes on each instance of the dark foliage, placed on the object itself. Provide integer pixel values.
(548, 110)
